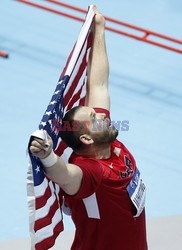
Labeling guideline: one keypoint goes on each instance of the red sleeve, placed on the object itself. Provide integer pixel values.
(101, 110)
(92, 177)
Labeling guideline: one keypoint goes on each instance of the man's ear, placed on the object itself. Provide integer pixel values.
(86, 139)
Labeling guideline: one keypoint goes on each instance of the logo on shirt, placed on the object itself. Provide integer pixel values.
(129, 171)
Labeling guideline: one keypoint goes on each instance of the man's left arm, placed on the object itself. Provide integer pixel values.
(98, 70)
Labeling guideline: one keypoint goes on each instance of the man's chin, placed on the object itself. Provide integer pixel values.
(108, 137)
(114, 135)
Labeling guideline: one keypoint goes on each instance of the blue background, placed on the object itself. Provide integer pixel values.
(145, 88)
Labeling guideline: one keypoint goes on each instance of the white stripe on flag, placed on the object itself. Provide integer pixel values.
(81, 37)
(41, 189)
(67, 152)
(47, 231)
(43, 211)
(76, 69)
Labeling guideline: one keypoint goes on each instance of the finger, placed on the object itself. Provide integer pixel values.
(37, 144)
(40, 141)
(35, 149)
(95, 9)
(48, 136)
(101, 114)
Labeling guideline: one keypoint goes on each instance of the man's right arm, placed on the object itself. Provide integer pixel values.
(67, 176)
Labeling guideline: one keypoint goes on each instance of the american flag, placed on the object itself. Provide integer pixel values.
(44, 196)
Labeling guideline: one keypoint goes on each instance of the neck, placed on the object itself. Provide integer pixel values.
(98, 152)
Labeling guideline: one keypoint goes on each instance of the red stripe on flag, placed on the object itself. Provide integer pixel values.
(80, 70)
(75, 81)
(41, 201)
(82, 101)
(75, 98)
(62, 146)
(47, 220)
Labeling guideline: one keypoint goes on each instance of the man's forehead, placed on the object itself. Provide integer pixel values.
(83, 113)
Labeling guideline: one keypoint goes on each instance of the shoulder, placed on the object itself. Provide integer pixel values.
(74, 158)
(120, 149)
(117, 144)
(90, 165)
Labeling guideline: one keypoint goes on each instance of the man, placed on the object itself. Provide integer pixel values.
(101, 182)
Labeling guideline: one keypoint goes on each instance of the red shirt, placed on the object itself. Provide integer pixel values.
(102, 209)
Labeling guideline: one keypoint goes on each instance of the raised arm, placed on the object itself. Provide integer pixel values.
(98, 70)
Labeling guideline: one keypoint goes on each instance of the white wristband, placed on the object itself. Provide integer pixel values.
(50, 160)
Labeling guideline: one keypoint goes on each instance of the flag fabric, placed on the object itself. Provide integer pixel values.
(44, 196)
